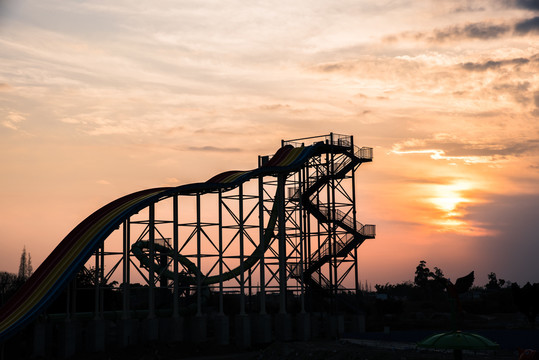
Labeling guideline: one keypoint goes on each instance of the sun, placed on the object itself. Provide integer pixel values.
(447, 199)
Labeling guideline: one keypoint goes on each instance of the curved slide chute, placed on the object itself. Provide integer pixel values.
(56, 271)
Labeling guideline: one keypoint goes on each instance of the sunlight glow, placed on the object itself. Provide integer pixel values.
(448, 199)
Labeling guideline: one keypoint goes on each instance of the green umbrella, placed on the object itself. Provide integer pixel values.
(458, 341)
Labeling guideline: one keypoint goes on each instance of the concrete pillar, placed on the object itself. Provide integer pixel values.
(41, 330)
(127, 332)
(176, 329)
(67, 339)
(358, 324)
(242, 334)
(261, 326)
(150, 329)
(198, 329)
(96, 332)
(316, 325)
(222, 329)
(303, 324)
(336, 325)
(283, 327)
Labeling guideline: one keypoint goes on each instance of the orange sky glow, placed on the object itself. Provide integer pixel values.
(99, 99)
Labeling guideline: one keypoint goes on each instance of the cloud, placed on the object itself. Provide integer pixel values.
(172, 181)
(469, 8)
(475, 31)
(522, 4)
(336, 67)
(527, 26)
(213, 148)
(4, 87)
(485, 30)
(479, 30)
(273, 107)
(536, 103)
(493, 64)
(447, 147)
(519, 91)
(13, 119)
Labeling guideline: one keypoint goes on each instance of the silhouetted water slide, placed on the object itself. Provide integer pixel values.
(60, 267)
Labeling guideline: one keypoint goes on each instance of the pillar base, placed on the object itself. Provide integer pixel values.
(96, 335)
(303, 323)
(127, 332)
(283, 327)
(222, 329)
(242, 334)
(41, 330)
(336, 327)
(198, 329)
(150, 329)
(261, 325)
(68, 339)
(359, 324)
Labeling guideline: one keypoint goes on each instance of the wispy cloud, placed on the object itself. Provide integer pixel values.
(13, 119)
(213, 149)
(478, 31)
(448, 147)
(527, 26)
(484, 30)
(522, 4)
(493, 64)
(536, 103)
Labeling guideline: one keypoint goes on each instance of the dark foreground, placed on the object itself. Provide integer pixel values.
(337, 350)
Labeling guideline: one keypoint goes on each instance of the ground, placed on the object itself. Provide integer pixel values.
(317, 350)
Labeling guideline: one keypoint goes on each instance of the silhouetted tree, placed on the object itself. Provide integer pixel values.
(527, 300)
(25, 265)
(9, 283)
(29, 268)
(438, 273)
(493, 282)
(421, 274)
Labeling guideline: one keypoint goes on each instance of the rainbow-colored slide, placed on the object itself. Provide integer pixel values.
(55, 273)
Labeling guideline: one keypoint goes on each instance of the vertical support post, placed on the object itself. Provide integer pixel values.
(68, 300)
(97, 286)
(331, 221)
(241, 238)
(102, 281)
(333, 260)
(175, 235)
(282, 243)
(151, 233)
(74, 295)
(126, 268)
(263, 245)
(319, 166)
(301, 240)
(199, 258)
(220, 214)
(354, 216)
(308, 234)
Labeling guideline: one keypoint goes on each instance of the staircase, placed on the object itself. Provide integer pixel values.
(356, 232)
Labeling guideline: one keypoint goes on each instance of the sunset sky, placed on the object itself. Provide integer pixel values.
(102, 98)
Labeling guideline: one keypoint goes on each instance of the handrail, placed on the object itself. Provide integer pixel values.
(340, 216)
(363, 152)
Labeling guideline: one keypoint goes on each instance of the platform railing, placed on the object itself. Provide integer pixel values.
(363, 152)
